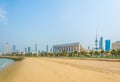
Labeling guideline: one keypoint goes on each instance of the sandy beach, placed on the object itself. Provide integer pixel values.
(61, 70)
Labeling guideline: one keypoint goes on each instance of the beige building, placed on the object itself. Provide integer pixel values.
(6, 49)
(70, 47)
(116, 45)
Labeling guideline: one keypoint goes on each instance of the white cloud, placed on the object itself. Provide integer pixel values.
(3, 16)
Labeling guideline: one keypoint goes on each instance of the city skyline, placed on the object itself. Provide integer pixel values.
(25, 23)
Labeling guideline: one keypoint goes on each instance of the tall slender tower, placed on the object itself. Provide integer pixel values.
(35, 47)
(101, 43)
(96, 42)
(25, 50)
(107, 45)
(6, 49)
(29, 49)
(47, 50)
(14, 48)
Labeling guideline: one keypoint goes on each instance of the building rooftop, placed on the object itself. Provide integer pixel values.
(68, 44)
(117, 41)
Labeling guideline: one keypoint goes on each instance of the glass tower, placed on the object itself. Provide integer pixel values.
(47, 50)
(107, 45)
(14, 48)
(29, 49)
(6, 49)
(35, 47)
(101, 43)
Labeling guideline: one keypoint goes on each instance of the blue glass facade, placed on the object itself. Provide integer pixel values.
(47, 49)
(101, 43)
(29, 49)
(107, 45)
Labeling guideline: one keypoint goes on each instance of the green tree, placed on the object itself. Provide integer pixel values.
(75, 53)
(83, 53)
(64, 53)
(50, 54)
(70, 54)
(102, 52)
(118, 52)
(79, 54)
(114, 52)
(96, 53)
(91, 53)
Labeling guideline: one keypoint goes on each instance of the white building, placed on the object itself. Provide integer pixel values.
(0, 54)
(6, 49)
(116, 45)
(70, 47)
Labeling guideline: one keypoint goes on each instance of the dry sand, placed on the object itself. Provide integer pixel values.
(61, 70)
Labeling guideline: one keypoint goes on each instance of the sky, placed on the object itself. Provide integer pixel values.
(48, 22)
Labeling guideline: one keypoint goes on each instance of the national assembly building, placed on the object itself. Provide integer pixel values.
(69, 47)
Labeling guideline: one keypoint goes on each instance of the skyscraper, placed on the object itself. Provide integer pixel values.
(6, 49)
(14, 48)
(107, 45)
(29, 49)
(25, 50)
(35, 47)
(47, 50)
(51, 50)
(96, 42)
(101, 43)
(116, 45)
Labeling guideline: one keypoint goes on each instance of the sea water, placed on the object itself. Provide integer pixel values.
(4, 62)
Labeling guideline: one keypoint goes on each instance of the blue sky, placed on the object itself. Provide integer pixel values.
(26, 22)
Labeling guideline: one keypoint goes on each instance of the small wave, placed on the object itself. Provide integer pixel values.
(5, 62)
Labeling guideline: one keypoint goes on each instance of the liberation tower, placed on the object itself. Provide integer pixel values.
(96, 42)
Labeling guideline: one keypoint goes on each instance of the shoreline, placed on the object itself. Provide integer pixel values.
(6, 64)
(18, 58)
(58, 70)
(15, 58)
(92, 59)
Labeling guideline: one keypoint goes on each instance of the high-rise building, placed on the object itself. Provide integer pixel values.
(29, 49)
(107, 45)
(51, 50)
(25, 50)
(96, 42)
(101, 43)
(14, 48)
(6, 49)
(47, 49)
(116, 45)
(35, 47)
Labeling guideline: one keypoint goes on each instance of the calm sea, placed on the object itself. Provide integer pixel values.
(4, 62)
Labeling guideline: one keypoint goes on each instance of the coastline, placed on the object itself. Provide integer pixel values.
(5, 62)
(91, 59)
(15, 58)
(9, 63)
(8, 71)
(9, 66)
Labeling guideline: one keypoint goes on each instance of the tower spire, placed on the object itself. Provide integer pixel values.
(96, 41)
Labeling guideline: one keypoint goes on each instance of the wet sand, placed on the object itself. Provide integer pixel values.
(61, 70)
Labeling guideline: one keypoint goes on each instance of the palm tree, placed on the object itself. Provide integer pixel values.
(91, 53)
(75, 53)
(102, 52)
(114, 52)
(79, 54)
(50, 54)
(96, 53)
(118, 52)
(64, 53)
(83, 53)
